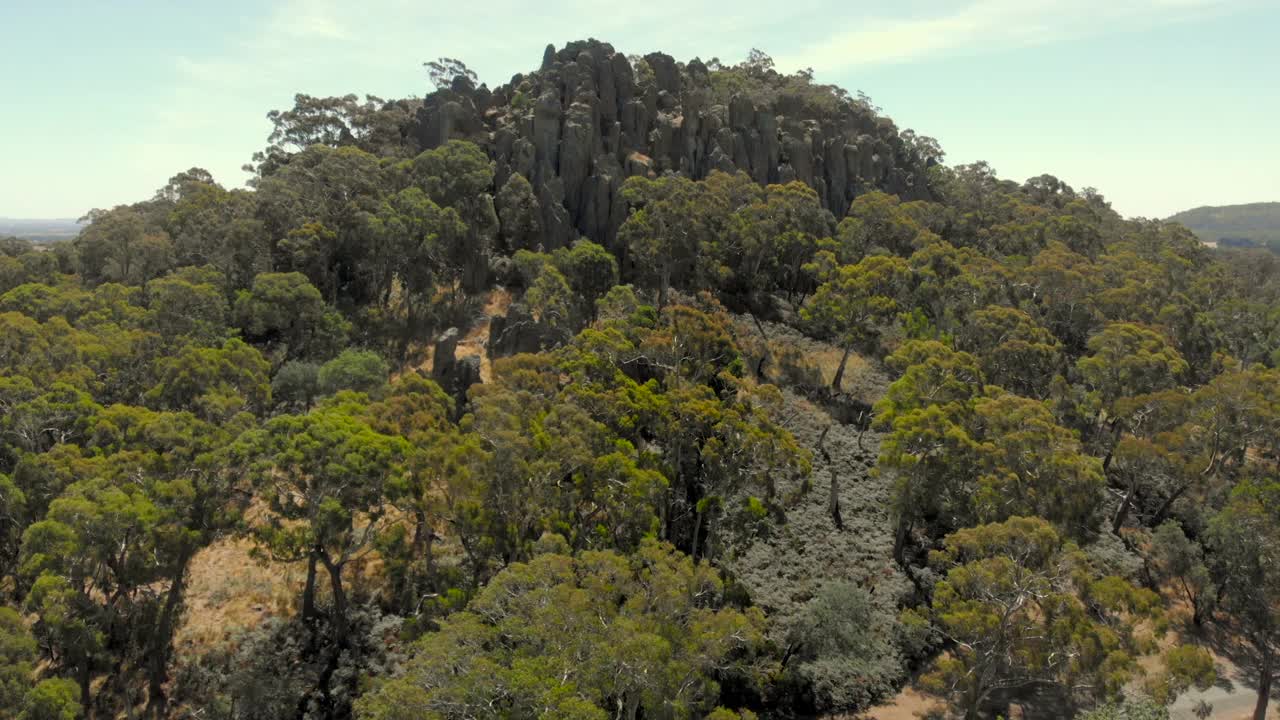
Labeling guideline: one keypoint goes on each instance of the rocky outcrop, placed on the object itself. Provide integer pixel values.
(588, 118)
(455, 375)
(518, 332)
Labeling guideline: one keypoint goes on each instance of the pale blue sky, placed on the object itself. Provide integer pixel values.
(1160, 104)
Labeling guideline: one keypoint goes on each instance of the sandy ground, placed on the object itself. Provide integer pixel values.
(1231, 700)
(908, 705)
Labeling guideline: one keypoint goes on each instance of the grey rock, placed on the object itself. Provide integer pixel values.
(582, 123)
(455, 375)
(546, 136)
(516, 332)
(577, 147)
(665, 72)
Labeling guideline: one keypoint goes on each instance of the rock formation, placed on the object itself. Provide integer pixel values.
(589, 118)
(454, 374)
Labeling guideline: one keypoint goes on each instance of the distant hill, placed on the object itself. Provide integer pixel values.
(1251, 225)
(39, 230)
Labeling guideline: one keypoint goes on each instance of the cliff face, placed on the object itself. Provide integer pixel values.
(588, 119)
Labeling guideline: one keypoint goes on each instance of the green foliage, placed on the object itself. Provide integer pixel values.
(296, 384)
(549, 297)
(43, 302)
(286, 313)
(215, 383)
(1011, 601)
(423, 246)
(359, 370)
(1016, 353)
(846, 648)
(519, 214)
(1185, 667)
(580, 637)
(17, 654)
(721, 713)
(455, 174)
(327, 476)
(268, 671)
(589, 270)
(458, 175)
(373, 125)
(663, 235)
(188, 305)
(1244, 535)
(311, 250)
(930, 447)
(184, 370)
(14, 513)
(1179, 561)
(51, 700)
(1126, 360)
(118, 246)
(215, 227)
(757, 80)
(878, 222)
(856, 298)
(444, 72)
(854, 303)
(1027, 464)
(586, 442)
(768, 238)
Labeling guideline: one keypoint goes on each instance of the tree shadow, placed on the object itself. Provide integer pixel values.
(1042, 701)
(1215, 638)
(1227, 641)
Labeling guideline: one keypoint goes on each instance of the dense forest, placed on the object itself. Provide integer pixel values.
(631, 388)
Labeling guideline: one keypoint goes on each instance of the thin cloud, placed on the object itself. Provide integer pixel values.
(310, 19)
(990, 25)
(324, 47)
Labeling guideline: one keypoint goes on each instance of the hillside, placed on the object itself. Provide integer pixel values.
(1253, 224)
(632, 388)
(589, 118)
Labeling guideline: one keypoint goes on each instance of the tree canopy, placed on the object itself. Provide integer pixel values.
(533, 401)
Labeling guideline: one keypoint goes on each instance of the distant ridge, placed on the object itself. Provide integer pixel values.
(1247, 225)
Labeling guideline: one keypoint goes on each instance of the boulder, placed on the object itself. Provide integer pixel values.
(517, 332)
(454, 375)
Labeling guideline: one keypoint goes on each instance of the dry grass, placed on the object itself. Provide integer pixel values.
(475, 342)
(909, 704)
(856, 368)
(799, 361)
(229, 590)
